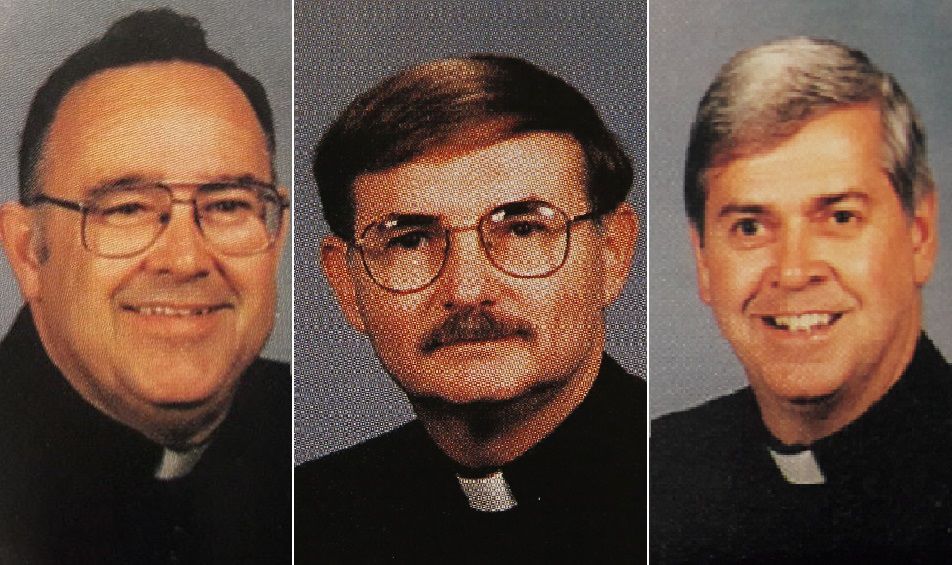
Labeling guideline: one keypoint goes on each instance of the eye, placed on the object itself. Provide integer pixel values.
(747, 227)
(228, 206)
(844, 217)
(127, 209)
(526, 228)
(410, 240)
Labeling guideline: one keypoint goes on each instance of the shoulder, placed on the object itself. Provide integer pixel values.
(399, 451)
(266, 383)
(718, 430)
(389, 474)
(707, 419)
(618, 380)
(259, 422)
(373, 491)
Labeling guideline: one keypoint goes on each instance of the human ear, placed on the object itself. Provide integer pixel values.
(334, 261)
(700, 262)
(924, 237)
(19, 238)
(619, 234)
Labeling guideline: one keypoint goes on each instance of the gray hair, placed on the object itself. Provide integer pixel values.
(764, 95)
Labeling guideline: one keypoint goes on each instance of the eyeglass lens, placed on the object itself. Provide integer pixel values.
(235, 220)
(523, 239)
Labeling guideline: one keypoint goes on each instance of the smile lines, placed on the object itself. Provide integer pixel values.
(802, 322)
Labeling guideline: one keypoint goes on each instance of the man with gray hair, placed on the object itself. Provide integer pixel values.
(814, 226)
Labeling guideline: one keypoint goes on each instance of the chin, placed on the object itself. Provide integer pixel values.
(802, 389)
(180, 384)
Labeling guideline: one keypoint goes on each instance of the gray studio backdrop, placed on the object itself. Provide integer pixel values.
(344, 47)
(689, 40)
(36, 35)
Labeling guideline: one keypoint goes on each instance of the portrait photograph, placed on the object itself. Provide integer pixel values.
(798, 280)
(146, 287)
(470, 278)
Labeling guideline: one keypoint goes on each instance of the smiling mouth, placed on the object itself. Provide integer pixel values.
(173, 311)
(802, 322)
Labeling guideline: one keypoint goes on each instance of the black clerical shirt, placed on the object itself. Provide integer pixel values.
(580, 494)
(718, 495)
(79, 487)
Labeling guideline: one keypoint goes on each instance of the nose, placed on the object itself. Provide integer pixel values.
(180, 250)
(797, 263)
(468, 278)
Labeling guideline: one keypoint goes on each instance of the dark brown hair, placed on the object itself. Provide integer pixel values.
(471, 101)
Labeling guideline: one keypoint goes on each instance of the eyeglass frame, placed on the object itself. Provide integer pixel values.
(449, 230)
(84, 206)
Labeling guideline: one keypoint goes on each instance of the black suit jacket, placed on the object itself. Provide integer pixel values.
(580, 494)
(77, 486)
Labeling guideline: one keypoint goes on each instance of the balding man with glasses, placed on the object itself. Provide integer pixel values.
(139, 424)
(479, 233)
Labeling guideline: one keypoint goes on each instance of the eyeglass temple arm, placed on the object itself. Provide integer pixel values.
(585, 216)
(68, 204)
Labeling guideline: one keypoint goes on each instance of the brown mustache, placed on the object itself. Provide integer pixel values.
(475, 324)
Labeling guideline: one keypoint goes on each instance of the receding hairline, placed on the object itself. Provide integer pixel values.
(81, 87)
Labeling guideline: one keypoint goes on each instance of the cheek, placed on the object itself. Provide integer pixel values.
(255, 284)
(878, 270)
(81, 281)
(569, 303)
(734, 278)
(393, 321)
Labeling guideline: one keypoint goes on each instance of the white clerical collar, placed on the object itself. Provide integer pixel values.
(799, 468)
(488, 494)
(177, 464)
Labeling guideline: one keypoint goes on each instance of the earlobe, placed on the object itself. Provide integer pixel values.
(620, 233)
(335, 264)
(703, 273)
(18, 233)
(924, 236)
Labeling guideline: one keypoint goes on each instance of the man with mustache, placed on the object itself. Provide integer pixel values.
(479, 233)
(814, 225)
(139, 425)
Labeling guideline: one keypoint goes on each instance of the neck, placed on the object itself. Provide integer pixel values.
(803, 422)
(491, 434)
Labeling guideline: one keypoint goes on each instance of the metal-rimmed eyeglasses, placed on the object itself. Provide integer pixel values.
(405, 253)
(236, 218)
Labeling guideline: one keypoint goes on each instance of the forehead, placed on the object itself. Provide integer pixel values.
(462, 185)
(168, 120)
(837, 152)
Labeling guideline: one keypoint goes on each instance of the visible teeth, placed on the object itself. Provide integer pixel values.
(170, 311)
(803, 322)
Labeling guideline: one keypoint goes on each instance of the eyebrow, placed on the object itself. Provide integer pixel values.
(404, 220)
(831, 199)
(244, 178)
(749, 209)
(127, 181)
(818, 202)
(117, 183)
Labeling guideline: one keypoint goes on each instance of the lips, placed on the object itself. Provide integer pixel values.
(177, 311)
(804, 322)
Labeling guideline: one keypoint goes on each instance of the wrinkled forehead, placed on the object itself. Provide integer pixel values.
(164, 120)
(460, 186)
